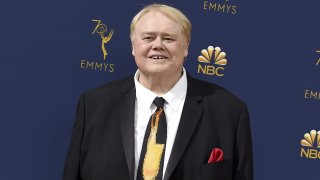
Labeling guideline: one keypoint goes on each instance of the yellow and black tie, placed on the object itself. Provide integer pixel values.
(154, 143)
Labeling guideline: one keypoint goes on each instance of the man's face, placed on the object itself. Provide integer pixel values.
(158, 45)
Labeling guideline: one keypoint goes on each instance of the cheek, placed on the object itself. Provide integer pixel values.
(140, 49)
(180, 51)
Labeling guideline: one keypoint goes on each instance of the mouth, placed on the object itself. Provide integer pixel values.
(158, 57)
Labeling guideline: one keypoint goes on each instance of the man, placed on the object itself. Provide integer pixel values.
(119, 126)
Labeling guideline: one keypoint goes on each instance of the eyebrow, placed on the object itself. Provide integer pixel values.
(154, 33)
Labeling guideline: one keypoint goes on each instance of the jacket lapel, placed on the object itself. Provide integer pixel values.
(190, 117)
(126, 119)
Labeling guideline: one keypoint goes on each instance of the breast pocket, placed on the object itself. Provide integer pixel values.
(216, 171)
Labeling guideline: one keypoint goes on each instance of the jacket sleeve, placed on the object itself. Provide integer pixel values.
(72, 162)
(243, 152)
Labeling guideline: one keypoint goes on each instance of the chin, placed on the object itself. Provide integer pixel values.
(154, 71)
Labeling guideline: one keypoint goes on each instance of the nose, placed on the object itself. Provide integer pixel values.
(158, 44)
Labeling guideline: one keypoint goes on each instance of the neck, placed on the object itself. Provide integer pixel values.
(159, 84)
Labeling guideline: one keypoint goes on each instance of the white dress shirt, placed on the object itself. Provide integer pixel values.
(144, 108)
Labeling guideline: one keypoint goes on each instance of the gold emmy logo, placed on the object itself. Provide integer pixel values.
(318, 62)
(311, 94)
(101, 29)
(221, 6)
(311, 142)
(97, 65)
(219, 58)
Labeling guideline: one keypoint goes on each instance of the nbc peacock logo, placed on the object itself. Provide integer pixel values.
(311, 145)
(212, 61)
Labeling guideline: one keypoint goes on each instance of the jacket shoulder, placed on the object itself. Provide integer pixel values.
(111, 89)
(211, 91)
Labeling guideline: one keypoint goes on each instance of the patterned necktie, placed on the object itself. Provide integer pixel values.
(154, 143)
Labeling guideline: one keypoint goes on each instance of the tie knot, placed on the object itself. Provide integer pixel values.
(159, 102)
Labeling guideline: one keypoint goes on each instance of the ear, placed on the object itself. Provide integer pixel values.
(132, 52)
(186, 50)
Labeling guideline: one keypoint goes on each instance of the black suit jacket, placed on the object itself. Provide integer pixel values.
(102, 144)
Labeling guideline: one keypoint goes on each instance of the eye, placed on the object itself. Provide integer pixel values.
(168, 39)
(147, 38)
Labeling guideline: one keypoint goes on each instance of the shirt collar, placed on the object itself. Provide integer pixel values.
(144, 96)
(173, 97)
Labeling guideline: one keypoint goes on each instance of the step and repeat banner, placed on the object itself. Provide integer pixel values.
(265, 52)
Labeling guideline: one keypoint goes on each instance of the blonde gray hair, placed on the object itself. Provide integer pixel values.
(171, 12)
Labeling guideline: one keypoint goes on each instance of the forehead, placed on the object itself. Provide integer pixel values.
(156, 21)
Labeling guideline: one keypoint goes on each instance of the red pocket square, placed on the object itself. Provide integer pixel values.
(216, 155)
